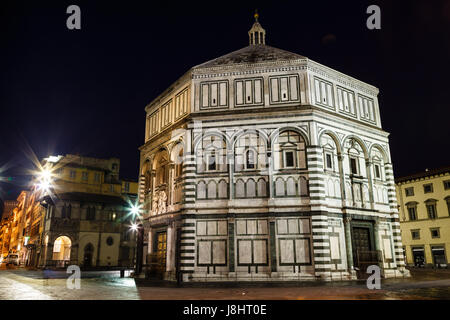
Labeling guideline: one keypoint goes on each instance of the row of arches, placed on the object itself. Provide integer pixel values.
(62, 248)
(288, 186)
(254, 150)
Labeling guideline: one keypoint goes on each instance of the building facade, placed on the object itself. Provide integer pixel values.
(424, 207)
(87, 214)
(80, 215)
(263, 165)
(5, 225)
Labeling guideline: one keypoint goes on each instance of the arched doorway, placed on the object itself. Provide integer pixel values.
(88, 254)
(61, 250)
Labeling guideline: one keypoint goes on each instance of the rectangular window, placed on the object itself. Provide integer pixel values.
(366, 107)
(212, 162)
(447, 184)
(415, 234)
(428, 188)
(249, 91)
(250, 160)
(84, 176)
(97, 177)
(409, 192)
(213, 94)
(431, 209)
(127, 186)
(289, 159)
(324, 92)
(354, 165)
(412, 213)
(329, 161)
(435, 233)
(73, 174)
(377, 171)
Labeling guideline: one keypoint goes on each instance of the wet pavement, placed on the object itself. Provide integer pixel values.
(22, 284)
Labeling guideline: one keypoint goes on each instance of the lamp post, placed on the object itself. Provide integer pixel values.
(137, 232)
(44, 183)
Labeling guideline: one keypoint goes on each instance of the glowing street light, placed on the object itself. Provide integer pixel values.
(134, 227)
(44, 178)
(134, 210)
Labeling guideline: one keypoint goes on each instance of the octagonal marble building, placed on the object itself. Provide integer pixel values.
(263, 165)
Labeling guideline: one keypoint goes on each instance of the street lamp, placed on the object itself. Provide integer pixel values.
(44, 179)
(135, 210)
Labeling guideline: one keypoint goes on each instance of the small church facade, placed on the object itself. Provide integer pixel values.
(263, 165)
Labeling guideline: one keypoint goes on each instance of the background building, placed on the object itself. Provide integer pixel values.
(80, 215)
(5, 225)
(424, 206)
(265, 165)
(87, 214)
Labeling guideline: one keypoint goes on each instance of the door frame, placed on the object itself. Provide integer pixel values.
(362, 224)
(155, 243)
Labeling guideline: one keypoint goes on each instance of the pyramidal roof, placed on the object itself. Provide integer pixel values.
(253, 53)
(257, 51)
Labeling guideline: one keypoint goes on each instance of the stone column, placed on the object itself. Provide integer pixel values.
(270, 177)
(370, 183)
(376, 227)
(230, 160)
(341, 178)
(169, 249)
(348, 242)
(170, 187)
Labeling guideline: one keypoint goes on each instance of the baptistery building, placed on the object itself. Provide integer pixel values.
(263, 165)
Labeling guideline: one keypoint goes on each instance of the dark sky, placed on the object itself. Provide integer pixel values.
(64, 91)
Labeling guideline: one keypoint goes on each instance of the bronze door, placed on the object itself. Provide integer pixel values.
(363, 253)
(161, 250)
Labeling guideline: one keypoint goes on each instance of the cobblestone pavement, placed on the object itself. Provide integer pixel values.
(23, 284)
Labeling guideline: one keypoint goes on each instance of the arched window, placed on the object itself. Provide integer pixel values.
(211, 154)
(356, 158)
(250, 159)
(329, 147)
(289, 151)
(250, 152)
(88, 254)
(61, 249)
(211, 161)
(377, 159)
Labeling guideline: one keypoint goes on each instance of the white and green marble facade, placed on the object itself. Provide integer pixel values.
(267, 222)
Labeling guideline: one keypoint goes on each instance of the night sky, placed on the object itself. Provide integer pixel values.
(84, 91)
